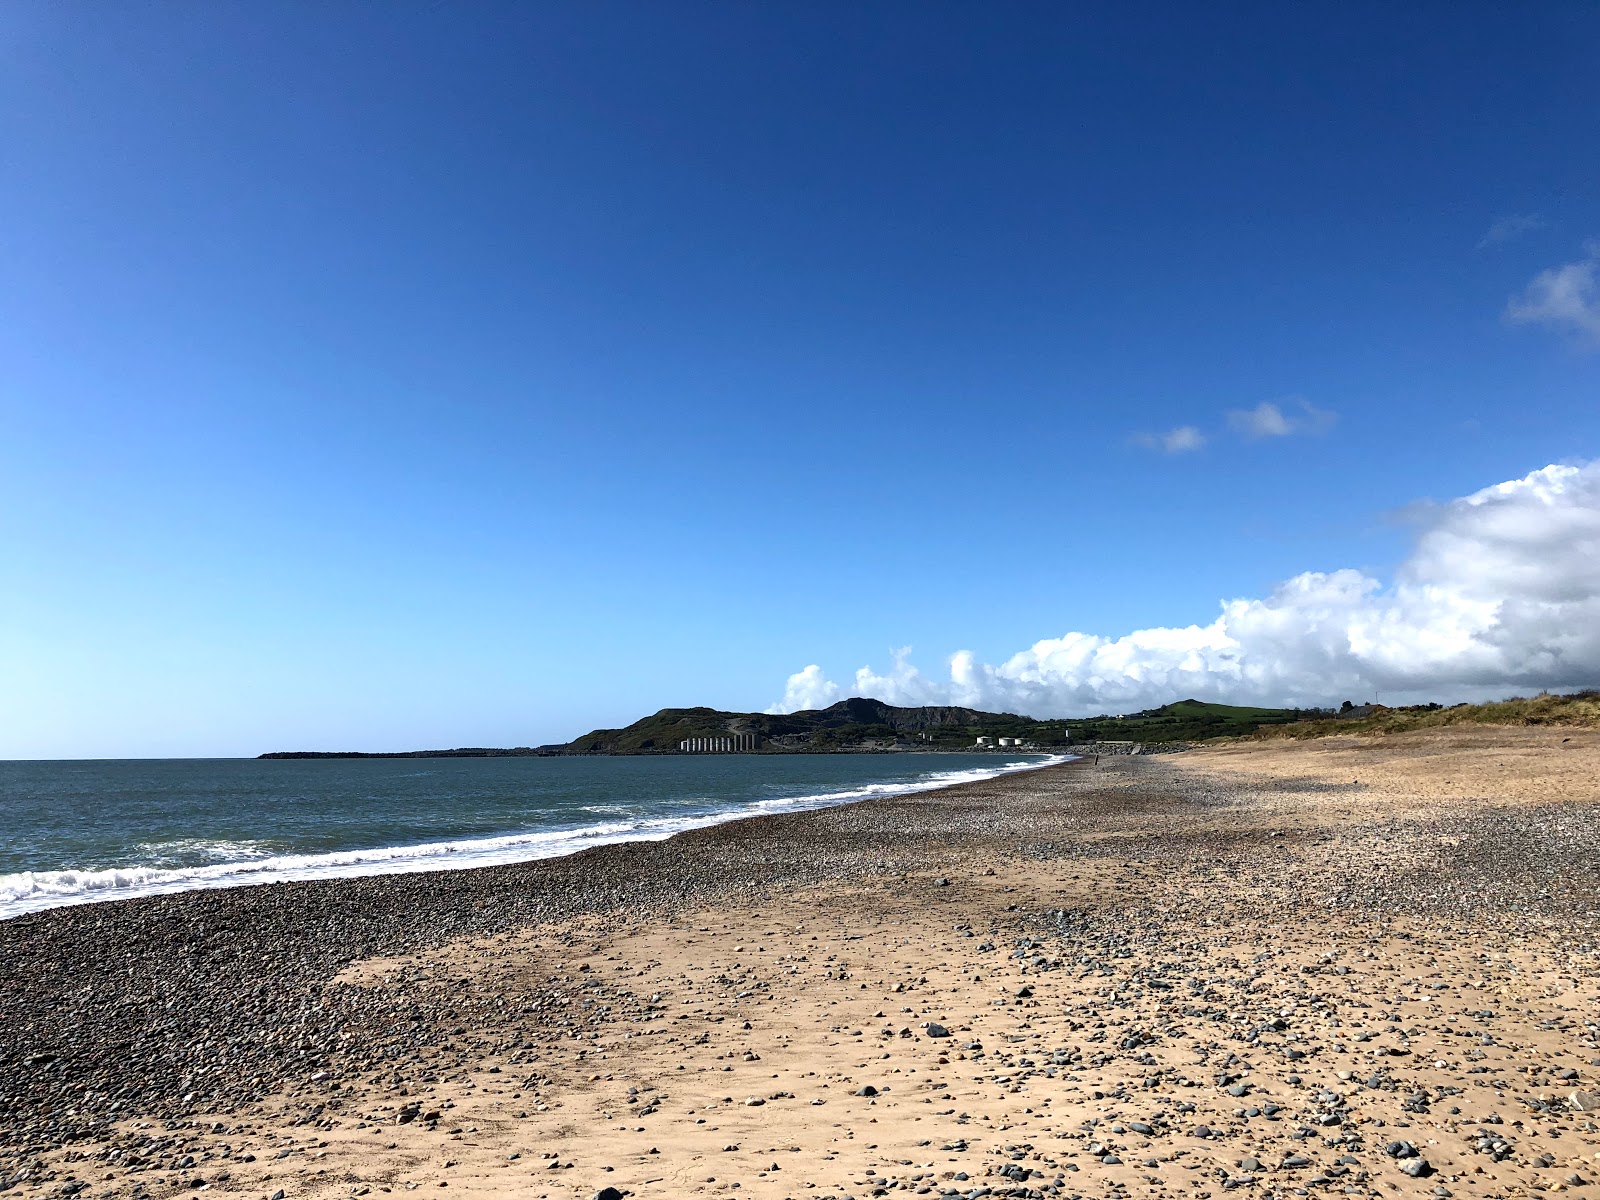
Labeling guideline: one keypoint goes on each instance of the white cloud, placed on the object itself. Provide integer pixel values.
(1269, 420)
(1175, 441)
(807, 689)
(903, 679)
(1564, 296)
(1501, 593)
(1509, 229)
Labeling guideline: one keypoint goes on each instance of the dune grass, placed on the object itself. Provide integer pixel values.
(1577, 709)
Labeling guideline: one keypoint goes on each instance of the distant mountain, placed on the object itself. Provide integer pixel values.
(861, 724)
(850, 724)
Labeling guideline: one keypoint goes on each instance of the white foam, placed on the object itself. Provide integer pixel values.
(31, 891)
(170, 852)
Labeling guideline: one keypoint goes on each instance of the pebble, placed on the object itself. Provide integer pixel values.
(230, 1004)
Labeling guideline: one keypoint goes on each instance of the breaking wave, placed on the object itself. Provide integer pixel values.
(244, 863)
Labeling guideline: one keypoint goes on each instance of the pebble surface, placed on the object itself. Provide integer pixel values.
(1339, 969)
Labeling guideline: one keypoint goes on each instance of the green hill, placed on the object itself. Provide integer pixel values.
(861, 723)
(849, 724)
(1182, 721)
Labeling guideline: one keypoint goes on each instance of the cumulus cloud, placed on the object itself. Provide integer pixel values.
(1175, 441)
(807, 688)
(1565, 297)
(1269, 420)
(1509, 229)
(1501, 593)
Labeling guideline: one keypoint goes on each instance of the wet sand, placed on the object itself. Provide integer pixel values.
(1360, 967)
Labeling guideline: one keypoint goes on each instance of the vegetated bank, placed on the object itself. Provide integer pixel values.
(1580, 710)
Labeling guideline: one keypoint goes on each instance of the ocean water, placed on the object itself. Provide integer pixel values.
(75, 832)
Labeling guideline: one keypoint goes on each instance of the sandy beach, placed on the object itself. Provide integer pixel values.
(1343, 967)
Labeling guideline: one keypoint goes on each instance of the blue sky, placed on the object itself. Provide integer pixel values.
(383, 376)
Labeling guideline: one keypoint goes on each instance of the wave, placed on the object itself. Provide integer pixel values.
(183, 851)
(31, 891)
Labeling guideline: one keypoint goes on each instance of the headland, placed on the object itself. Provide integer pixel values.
(865, 726)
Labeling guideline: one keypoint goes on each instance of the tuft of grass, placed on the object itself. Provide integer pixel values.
(1578, 709)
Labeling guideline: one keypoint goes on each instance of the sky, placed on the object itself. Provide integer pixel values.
(386, 376)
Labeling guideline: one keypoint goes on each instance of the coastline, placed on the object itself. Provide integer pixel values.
(41, 890)
(1114, 939)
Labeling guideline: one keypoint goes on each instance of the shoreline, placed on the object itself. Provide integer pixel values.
(1114, 940)
(774, 752)
(130, 882)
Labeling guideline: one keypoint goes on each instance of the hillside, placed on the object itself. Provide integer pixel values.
(1182, 721)
(862, 723)
(847, 724)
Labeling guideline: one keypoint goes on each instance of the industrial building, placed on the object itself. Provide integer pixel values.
(738, 743)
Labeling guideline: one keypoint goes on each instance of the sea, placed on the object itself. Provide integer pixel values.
(84, 831)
